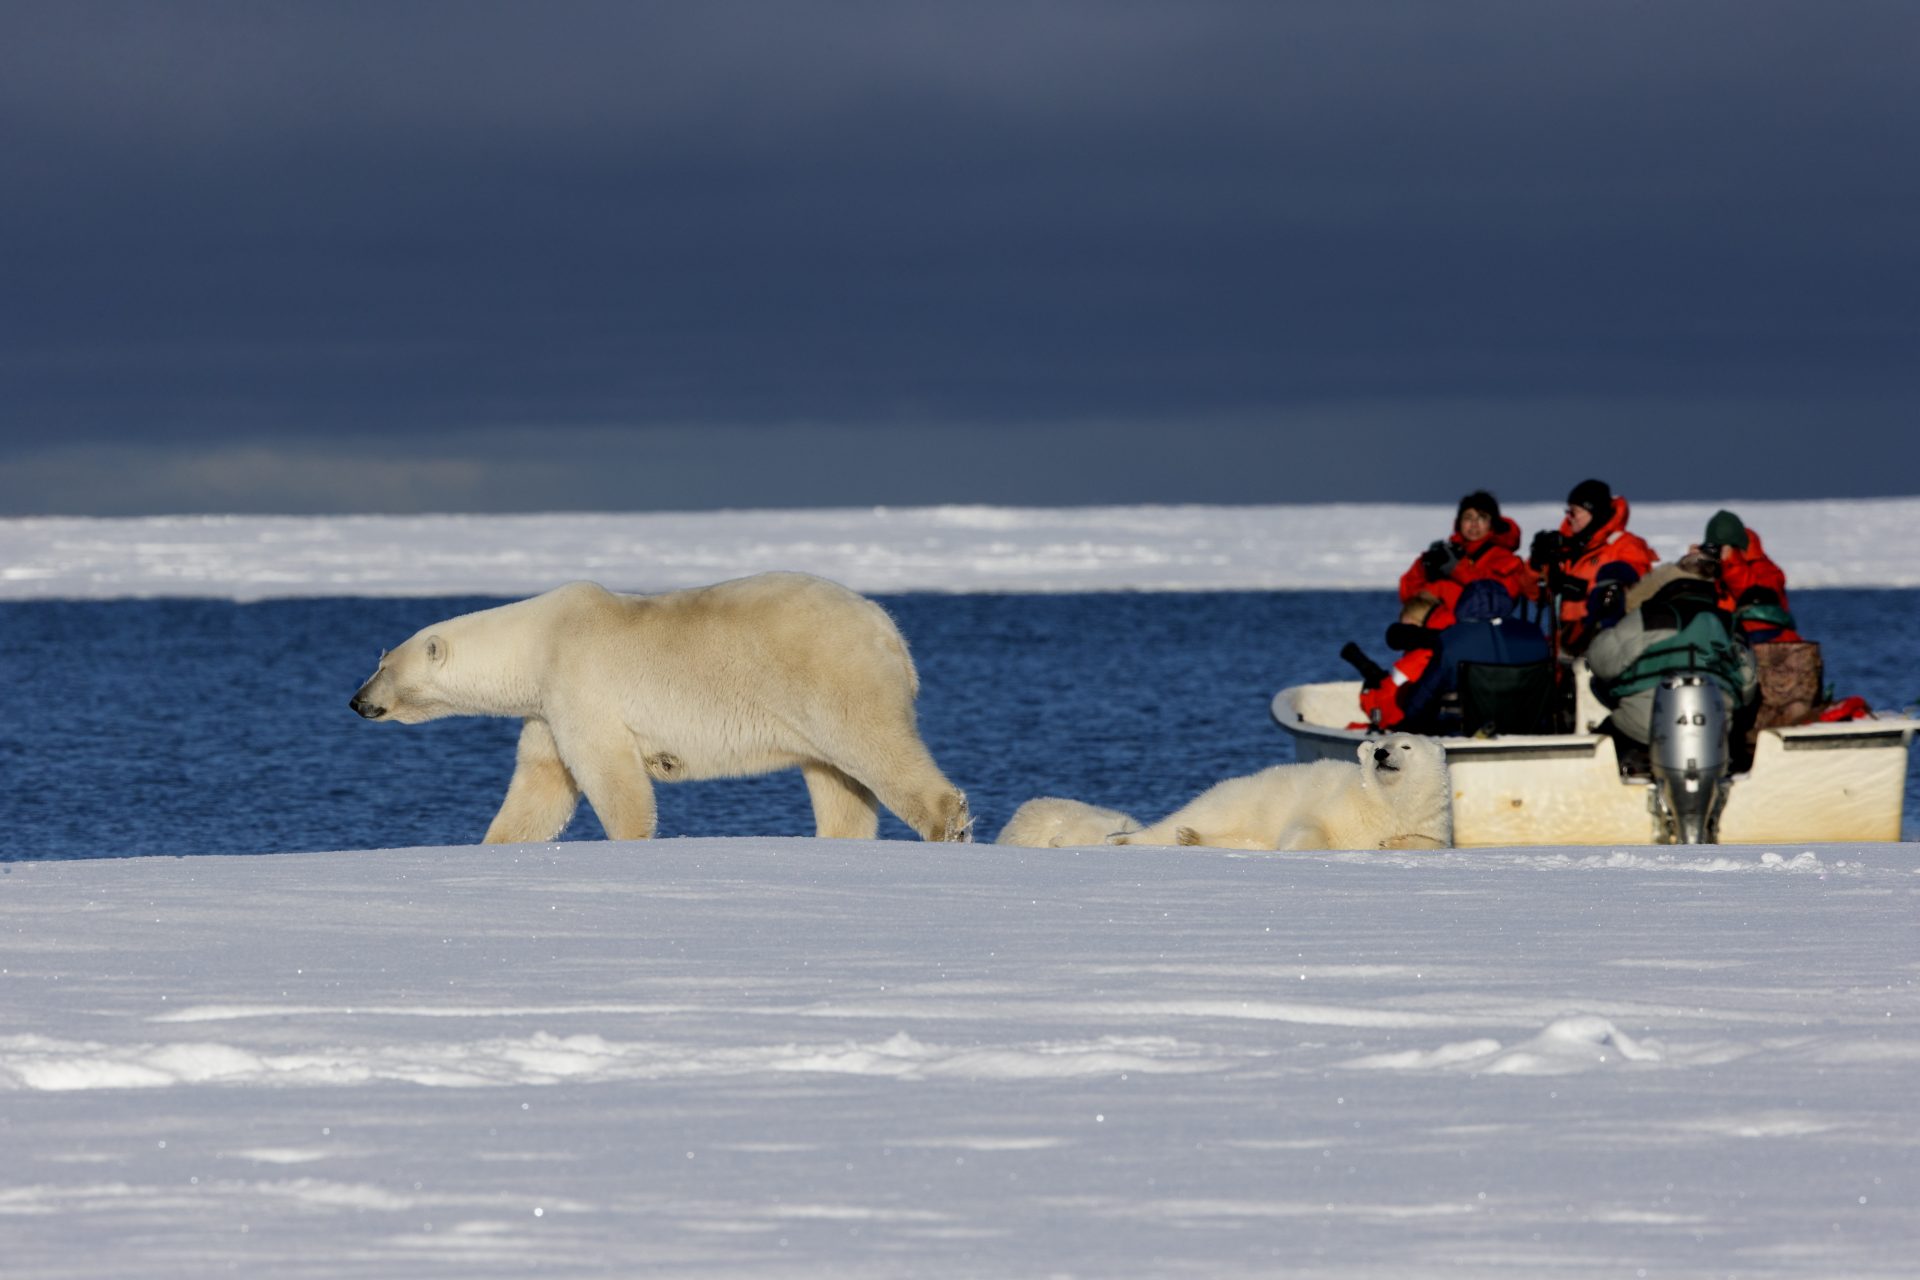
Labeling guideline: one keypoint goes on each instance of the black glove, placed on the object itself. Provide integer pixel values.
(1570, 587)
(1438, 560)
(1548, 548)
(1608, 602)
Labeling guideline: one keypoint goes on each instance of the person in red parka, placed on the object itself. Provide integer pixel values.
(1593, 535)
(1748, 576)
(1483, 545)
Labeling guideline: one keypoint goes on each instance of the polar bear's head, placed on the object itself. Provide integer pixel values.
(1408, 775)
(1402, 759)
(405, 686)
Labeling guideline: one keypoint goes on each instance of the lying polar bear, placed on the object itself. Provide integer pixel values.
(616, 692)
(1399, 796)
(1049, 822)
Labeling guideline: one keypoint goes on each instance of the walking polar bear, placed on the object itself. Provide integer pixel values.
(1399, 796)
(617, 691)
(1049, 822)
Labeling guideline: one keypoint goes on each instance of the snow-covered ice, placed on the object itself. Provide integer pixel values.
(1823, 544)
(781, 1057)
(774, 1057)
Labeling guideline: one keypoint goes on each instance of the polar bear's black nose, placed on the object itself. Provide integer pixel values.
(1381, 756)
(365, 709)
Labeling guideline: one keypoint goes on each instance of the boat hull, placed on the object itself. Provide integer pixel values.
(1808, 783)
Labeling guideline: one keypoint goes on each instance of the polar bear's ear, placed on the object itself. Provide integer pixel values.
(435, 650)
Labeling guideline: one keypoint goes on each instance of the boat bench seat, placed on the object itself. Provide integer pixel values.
(1500, 698)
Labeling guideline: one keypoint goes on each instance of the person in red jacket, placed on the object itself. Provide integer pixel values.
(1482, 545)
(1748, 576)
(1593, 535)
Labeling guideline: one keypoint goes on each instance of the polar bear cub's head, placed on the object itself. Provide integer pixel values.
(1408, 776)
(1402, 758)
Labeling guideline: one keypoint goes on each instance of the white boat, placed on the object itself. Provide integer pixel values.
(1844, 781)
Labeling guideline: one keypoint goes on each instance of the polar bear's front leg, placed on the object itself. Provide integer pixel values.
(542, 796)
(602, 757)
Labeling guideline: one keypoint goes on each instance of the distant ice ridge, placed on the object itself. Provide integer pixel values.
(1857, 543)
(1580, 1042)
(54, 1065)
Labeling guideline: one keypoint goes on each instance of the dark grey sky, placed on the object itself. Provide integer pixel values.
(466, 256)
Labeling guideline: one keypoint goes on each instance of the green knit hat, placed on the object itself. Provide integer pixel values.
(1725, 528)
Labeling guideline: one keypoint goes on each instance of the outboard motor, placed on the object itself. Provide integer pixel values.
(1690, 759)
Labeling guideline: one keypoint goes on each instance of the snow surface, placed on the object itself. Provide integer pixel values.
(1822, 544)
(773, 1057)
(762, 1057)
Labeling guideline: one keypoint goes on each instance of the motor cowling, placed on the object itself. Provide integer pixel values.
(1690, 758)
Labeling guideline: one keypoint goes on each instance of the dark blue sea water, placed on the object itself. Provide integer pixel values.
(187, 727)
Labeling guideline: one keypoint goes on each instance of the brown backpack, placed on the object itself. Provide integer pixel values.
(1791, 675)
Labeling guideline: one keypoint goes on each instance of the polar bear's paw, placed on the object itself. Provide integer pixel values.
(957, 827)
(1187, 836)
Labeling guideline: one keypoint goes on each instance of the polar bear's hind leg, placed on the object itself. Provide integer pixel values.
(1304, 835)
(943, 815)
(1234, 838)
(933, 807)
(896, 767)
(842, 807)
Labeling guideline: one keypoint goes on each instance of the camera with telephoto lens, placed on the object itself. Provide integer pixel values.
(1549, 547)
(1438, 560)
(1372, 674)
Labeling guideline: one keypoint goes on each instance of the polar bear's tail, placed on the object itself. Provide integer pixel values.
(899, 646)
(895, 644)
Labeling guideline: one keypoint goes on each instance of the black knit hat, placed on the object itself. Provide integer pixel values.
(1482, 501)
(1596, 496)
